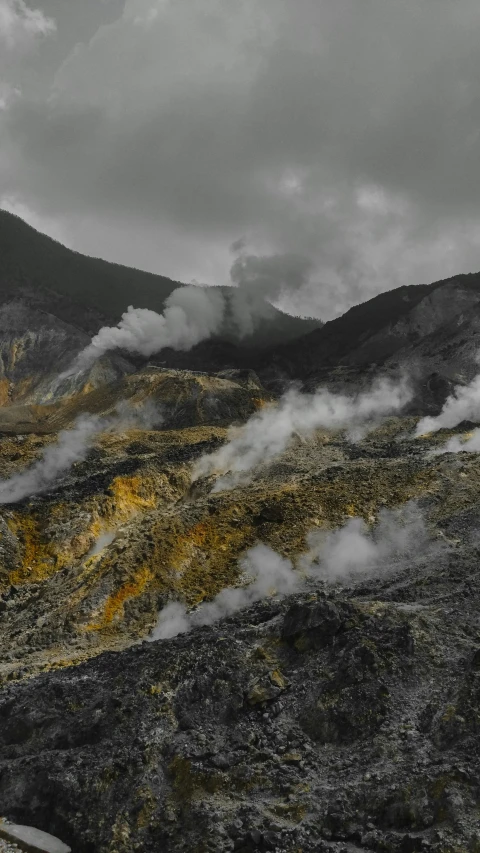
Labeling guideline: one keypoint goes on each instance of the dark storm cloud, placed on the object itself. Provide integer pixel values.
(342, 134)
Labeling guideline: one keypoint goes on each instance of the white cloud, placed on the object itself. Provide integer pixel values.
(8, 94)
(19, 24)
(340, 132)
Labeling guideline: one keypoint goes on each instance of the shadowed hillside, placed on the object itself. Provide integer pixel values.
(28, 258)
(425, 329)
(87, 292)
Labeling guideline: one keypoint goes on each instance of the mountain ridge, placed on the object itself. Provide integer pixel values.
(29, 257)
(423, 330)
(44, 267)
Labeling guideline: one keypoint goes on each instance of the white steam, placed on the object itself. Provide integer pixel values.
(271, 574)
(268, 432)
(261, 280)
(355, 550)
(72, 446)
(191, 315)
(462, 405)
(457, 444)
(101, 542)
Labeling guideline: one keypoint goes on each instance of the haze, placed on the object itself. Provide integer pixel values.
(323, 150)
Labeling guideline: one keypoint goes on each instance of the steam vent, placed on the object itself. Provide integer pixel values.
(239, 587)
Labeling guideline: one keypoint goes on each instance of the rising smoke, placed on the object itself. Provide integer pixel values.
(72, 446)
(462, 405)
(269, 431)
(355, 550)
(458, 444)
(191, 315)
(260, 280)
(270, 574)
(270, 276)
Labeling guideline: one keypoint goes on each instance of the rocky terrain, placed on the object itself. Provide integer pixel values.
(342, 717)
(430, 330)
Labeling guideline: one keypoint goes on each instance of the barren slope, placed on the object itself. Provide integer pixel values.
(343, 717)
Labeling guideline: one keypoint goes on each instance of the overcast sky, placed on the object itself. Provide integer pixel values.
(328, 148)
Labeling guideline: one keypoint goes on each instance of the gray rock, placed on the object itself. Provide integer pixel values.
(32, 840)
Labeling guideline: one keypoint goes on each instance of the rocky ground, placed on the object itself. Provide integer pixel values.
(7, 847)
(344, 717)
(341, 718)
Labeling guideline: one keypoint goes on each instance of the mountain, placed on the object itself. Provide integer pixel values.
(53, 300)
(436, 326)
(33, 260)
(89, 292)
(431, 332)
(315, 703)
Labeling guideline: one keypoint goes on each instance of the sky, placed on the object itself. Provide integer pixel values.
(325, 150)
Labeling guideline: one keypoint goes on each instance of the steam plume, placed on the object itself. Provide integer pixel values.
(271, 574)
(459, 444)
(462, 405)
(72, 446)
(269, 431)
(101, 542)
(354, 549)
(261, 280)
(192, 314)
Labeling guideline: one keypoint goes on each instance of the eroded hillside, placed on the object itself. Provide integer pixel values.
(343, 717)
(318, 693)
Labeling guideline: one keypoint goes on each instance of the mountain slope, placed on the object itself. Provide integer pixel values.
(30, 258)
(344, 717)
(426, 329)
(90, 292)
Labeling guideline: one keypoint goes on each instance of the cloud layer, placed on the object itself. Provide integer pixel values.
(20, 24)
(338, 132)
